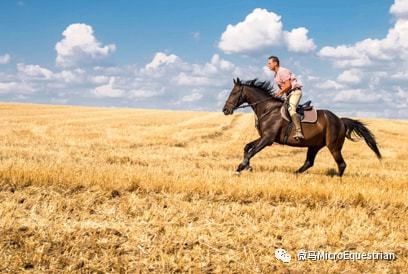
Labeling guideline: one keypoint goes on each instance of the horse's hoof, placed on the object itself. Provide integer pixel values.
(237, 173)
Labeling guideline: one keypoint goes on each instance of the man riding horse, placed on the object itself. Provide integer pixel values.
(326, 129)
(289, 85)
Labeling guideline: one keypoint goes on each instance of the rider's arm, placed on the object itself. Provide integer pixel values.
(286, 87)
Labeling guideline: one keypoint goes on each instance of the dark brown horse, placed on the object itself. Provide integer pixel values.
(329, 130)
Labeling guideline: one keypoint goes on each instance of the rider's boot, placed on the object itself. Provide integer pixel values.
(296, 121)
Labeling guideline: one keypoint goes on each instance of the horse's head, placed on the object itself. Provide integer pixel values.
(235, 99)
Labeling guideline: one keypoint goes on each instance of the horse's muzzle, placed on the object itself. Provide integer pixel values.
(227, 111)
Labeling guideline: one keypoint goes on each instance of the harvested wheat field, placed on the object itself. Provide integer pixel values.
(135, 190)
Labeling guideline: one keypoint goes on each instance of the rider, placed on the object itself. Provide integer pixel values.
(288, 84)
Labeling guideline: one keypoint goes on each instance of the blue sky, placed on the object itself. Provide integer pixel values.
(193, 56)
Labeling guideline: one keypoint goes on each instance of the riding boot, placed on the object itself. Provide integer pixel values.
(296, 121)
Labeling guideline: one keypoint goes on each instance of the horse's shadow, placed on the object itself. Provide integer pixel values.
(331, 172)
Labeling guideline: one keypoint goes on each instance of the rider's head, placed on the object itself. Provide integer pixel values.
(273, 62)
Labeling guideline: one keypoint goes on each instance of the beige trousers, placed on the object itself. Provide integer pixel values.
(294, 99)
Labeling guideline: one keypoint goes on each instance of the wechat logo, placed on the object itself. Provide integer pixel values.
(282, 255)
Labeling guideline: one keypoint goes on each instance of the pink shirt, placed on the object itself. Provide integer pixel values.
(284, 74)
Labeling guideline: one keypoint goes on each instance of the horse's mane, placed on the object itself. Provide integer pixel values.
(265, 86)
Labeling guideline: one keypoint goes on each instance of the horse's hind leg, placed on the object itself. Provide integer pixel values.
(310, 158)
(341, 164)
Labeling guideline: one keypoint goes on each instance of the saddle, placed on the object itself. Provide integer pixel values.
(307, 113)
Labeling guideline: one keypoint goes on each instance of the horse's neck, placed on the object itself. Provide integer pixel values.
(261, 101)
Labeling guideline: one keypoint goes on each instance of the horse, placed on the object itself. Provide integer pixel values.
(329, 130)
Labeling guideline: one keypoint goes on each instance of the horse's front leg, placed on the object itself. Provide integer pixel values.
(247, 148)
(257, 146)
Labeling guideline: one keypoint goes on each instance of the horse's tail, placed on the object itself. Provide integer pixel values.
(359, 129)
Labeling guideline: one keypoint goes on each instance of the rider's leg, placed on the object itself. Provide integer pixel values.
(294, 100)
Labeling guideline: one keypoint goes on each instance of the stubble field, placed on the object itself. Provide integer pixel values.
(137, 190)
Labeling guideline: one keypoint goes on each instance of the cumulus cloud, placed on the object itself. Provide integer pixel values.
(357, 96)
(370, 52)
(161, 59)
(262, 29)
(108, 90)
(34, 71)
(73, 76)
(195, 96)
(79, 45)
(400, 8)
(215, 66)
(351, 76)
(330, 84)
(5, 59)
(185, 79)
(402, 97)
(212, 73)
(15, 87)
(129, 85)
(143, 93)
(297, 40)
(373, 71)
(163, 64)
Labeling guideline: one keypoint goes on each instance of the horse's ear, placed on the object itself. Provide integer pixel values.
(238, 81)
(235, 81)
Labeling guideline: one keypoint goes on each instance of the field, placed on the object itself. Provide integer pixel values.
(138, 190)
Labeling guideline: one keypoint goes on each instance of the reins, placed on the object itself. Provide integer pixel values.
(252, 104)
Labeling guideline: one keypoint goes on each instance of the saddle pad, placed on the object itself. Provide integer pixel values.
(309, 117)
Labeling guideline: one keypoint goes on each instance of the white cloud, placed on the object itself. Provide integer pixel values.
(34, 71)
(75, 76)
(161, 59)
(144, 93)
(15, 87)
(374, 70)
(400, 75)
(184, 79)
(213, 73)
(402, 98)
(214, 67)
(222, 96)
(5, 59)
(351, 76)
(195, 96)
(356, 96)
(99, 79)
(108, 90)
(399, 8)
(262, 29)
(79, 45)
(330, 84)
(297, 40)
(163, 65)
(372, 52)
